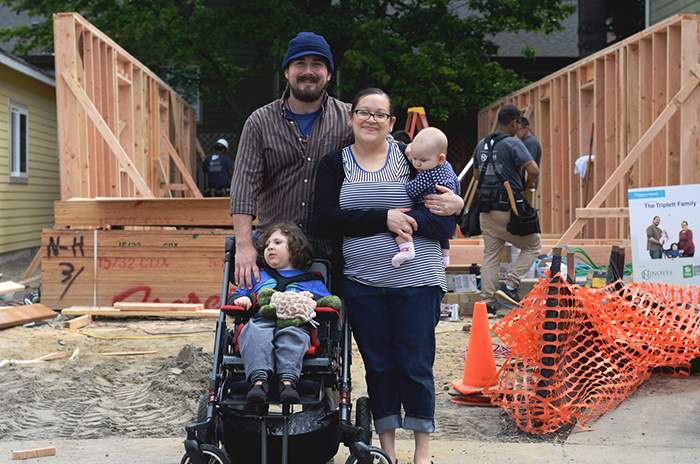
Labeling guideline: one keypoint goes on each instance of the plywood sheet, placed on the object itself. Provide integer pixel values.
(11, 316)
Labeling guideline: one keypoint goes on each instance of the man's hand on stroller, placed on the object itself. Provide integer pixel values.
(243, 301)
(246, 268)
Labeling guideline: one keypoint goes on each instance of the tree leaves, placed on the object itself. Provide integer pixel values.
(434, 53)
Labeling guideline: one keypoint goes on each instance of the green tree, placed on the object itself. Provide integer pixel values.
(426, 52)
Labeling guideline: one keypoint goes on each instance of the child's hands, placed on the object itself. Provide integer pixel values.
(243, 301)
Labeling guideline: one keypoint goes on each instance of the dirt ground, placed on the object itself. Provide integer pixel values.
(154, 395)
(151, 396)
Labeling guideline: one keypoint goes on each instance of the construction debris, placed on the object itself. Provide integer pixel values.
(79, 322)
(33, 453)
(9, 287)
(47, 357)
(11, 316)
(128, 353)
(108, 311)
(129, 306)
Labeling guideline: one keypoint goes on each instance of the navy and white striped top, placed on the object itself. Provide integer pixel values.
(368, 258)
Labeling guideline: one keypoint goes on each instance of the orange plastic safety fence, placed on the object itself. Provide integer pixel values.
(576, 353)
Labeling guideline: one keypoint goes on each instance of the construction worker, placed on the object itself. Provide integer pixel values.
(505, 157)
(529, 140)
(218, 169)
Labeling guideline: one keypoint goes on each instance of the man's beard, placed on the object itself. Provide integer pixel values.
(308, 94)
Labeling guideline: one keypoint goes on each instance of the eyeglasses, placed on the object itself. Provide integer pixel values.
(378, 116)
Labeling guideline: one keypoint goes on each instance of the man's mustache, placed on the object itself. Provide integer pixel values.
(308, 78)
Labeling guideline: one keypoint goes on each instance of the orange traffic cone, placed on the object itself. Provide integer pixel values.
(479, 364)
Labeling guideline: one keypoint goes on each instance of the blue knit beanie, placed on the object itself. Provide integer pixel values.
(308, 43)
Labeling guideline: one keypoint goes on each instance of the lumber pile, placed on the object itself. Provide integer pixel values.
(103, 267)
(638, 101)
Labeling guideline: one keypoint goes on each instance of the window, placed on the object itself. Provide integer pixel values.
(19, 138)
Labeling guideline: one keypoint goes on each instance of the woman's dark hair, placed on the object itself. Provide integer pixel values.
(402, 136)
(674, 243)
(371, 91)
(301, 253)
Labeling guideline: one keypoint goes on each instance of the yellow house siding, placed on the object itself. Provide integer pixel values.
(27, 208)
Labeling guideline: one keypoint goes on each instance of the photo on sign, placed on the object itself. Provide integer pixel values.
(662, 225)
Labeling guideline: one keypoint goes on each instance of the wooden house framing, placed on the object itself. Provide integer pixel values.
(639, 101)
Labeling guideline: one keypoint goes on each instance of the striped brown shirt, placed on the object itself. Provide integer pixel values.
(275, 171)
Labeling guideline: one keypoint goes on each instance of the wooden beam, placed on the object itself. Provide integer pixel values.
(614, 179)
(102, 311)
(124, 161)
(33, 266)
(176, 187)
(136, 306)
(602, 212)
(11, 316)
(9, 286)
(33, 453)
(101, 213)
(79, 322)
(128, 353)
(186, 176)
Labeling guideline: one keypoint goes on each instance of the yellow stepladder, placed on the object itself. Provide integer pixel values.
(416, 120)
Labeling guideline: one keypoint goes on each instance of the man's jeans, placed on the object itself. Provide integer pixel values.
(656, 254)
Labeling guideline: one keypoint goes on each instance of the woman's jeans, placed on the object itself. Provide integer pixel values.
(395, 332)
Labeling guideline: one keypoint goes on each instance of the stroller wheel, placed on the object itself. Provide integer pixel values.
(363, 419)
(213, 454)
(376, 456)
(202, 404)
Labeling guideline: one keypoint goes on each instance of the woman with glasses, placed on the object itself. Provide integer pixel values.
(361, 201)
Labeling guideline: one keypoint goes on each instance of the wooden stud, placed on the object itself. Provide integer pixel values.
(690, 109)
(33, 266)
(33, 453)
(79, 322)
(101, 311)
(136, 306)
(182, 168)
(128, 353)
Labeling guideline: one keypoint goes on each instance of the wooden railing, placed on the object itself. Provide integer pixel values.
(123, 132)
(639, 101)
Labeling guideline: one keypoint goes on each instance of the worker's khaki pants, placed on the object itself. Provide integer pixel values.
(495, 234)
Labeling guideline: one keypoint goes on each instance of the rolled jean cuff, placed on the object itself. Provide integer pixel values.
(287, 376)
(418, 424)
(258, 375)
(387, 423)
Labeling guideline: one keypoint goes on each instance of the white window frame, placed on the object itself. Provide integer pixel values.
(14, 141)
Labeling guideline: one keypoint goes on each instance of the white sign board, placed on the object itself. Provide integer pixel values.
(662, 223)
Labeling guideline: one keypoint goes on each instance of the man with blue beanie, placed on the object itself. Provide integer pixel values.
(280, 147)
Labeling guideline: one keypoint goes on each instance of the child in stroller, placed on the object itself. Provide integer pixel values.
(264, 347)
(233, 428)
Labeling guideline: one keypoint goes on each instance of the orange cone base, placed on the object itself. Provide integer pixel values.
(469, 389)
(473, 400)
